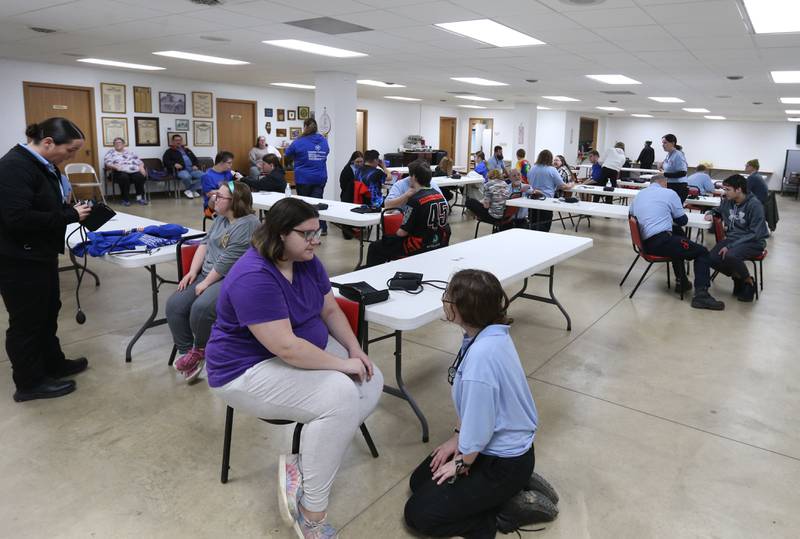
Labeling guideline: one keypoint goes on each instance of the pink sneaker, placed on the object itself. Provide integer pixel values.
(290, 479)
(191, 363)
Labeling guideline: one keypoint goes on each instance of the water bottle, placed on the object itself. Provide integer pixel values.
(608, 183)
(288, 191)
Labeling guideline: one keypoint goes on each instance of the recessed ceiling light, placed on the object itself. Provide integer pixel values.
(773, 16)
(734, 77)
(614, 109)
(785, 77)
(613, 79)
(792, 111)
(642, 115)
(539, 107)
(758, 102)
(379, 83)
(479, 81)
(471, 107)
(474, 97)
(700, 110)
(559, 98)
(114, 63)
(793, 119)
(488, 31)
(532, 80)
(313, 48)
(667, 99)
(790, 100)
(714, 117)
(201, 58)
(401, 98)
(294, 85)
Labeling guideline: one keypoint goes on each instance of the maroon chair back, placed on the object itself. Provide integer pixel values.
(353, 311)
(187, 254)
(636, 235)
(694, 192)
(511, 211)
(390, 222)
(719, 228)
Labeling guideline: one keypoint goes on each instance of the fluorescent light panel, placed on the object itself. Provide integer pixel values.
(699, 110)
(791, 119)
(471, 107)
(667, 99)
(613, 79)
(478, 81)
(714, 117)
(642, 115)
(201, 58)
(313, 48)
(790, 100)
(488, 31)
(773, 16)
(114, 63)
(379, 84)
(539, 107)
(614, 109)
(792, 111)
(559, 98)
(474, 97)
(401, 98)
(294, 85)
(785, 77)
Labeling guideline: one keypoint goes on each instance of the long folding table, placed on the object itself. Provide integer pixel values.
(513, 255)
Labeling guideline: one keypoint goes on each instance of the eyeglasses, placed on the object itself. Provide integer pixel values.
(218, 196)
(445, 300)
(310, 235)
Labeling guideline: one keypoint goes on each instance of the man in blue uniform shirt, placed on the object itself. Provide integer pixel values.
(755, 181)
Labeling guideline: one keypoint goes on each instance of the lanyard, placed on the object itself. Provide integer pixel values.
(451, 372)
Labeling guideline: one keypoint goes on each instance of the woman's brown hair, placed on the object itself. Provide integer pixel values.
(242, 203)
(446, 164)
(309, 127)
(545, 158)
(286, 214)
(479, 298)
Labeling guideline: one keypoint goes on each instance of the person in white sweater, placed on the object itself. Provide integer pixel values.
(257, 154)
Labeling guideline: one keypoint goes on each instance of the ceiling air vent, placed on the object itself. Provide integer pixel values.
(207, 2)
(43, 30)
(582, 2)
(74, 55)
(328, 25)
(617, 92)
(216, 39)
(660, 111)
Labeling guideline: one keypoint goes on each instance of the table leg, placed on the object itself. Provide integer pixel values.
(77, 269)
(155, 282)
(551, 300)
(400, 391)
(365, 231)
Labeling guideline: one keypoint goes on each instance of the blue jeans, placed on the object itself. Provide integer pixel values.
(313, 190)
(190, 179)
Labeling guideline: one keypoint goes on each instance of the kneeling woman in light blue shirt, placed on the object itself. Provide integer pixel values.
(461, 488)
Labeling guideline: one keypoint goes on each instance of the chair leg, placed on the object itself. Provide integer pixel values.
(368, 439)
(298, 429)
(755, 277)
(172, 355)
(226, 445)
(477, 224)
(635, 260)
(640, 280)
(761, 277)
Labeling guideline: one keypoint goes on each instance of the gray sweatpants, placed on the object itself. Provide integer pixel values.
(190, 317)
(329, 403)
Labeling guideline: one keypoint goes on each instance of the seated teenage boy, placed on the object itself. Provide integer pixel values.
(658, 209)
(373, 176)
(746, 235)
(424, 225)
(401, 191)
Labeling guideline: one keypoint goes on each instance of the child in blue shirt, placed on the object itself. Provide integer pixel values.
(480, 165)
(219, 173)
(478, 478)
(597, 169)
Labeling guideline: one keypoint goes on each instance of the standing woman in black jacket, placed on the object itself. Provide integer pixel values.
(34, 216)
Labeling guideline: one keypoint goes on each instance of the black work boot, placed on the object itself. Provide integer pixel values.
(525, 508)
(747, 293)
(703, 300)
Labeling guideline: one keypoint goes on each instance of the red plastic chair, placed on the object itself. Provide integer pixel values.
(638, 248)
(184, 251)
(391, 221)
(508, 217)
(758, 272)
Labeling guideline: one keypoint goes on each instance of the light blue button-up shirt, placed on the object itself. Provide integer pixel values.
(64, 184)
(401, 187)
(701, 181)
(545, 179)
(675, 162)
(655, 208)
(493, 163)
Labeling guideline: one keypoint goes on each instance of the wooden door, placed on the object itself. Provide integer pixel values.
(236, 130)
(75, 103)
(361, 130)
(447, 136)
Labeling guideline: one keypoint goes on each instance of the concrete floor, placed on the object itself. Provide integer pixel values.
(657, 420)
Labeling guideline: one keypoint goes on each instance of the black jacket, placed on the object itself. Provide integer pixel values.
(647, 157)
(173, 156)
(33, 215)
(274, 181)
(346, 179)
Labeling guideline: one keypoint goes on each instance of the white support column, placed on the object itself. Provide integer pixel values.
(526, 123)
(336, 96)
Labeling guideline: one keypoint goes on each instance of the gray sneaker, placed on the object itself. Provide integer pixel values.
(306, 529)
(703, 300)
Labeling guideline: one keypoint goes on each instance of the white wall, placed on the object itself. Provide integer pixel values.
(727, 144)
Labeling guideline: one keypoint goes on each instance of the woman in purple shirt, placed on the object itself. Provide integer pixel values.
(281, 347)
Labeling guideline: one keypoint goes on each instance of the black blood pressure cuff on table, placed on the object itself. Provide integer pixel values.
(366, 209)
(673, 175)
(362, 292)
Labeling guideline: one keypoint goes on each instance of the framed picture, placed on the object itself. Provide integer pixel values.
(294, 132)
(171, 103)
(142, 99)
(184, 135)
(280, 132)
(146, 131)
(291, 115)
(268, 113)
(281, 115)
(268, 127)
(202, 104)
(113, 128)
(203, 133)
(303, 113)
(112, 98)
(181, 125)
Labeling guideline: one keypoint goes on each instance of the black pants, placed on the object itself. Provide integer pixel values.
(124, 180)
(31, 295)
(468, 507)
(541, 220)
(608, 175)
(733, 265)
(312, 190)
(679, 248)
(386, 249)
(683, 191)
(482, 213)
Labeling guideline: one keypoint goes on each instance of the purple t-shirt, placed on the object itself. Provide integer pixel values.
(255, 291)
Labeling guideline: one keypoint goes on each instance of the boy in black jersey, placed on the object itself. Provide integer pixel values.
(424, 225)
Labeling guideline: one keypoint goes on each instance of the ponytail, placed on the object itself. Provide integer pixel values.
(61, 130)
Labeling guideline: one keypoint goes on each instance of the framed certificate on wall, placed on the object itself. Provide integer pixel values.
(203, 133)
(202, 105)
(142, 99)
(146, 130)
(112, 98)
(114, 128)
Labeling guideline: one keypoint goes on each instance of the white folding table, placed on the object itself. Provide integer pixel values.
(336, 212)
(512, 256)
(145, 259)
(619, 192)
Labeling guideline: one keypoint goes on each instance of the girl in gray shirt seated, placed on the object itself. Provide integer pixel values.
(191, 310)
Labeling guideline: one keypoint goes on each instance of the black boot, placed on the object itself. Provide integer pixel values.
(747, 293)
(540, 484)
(525, 508)
(70, 367)
(47, 389)
(682, 285)
(703, 300)
(737, 286)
